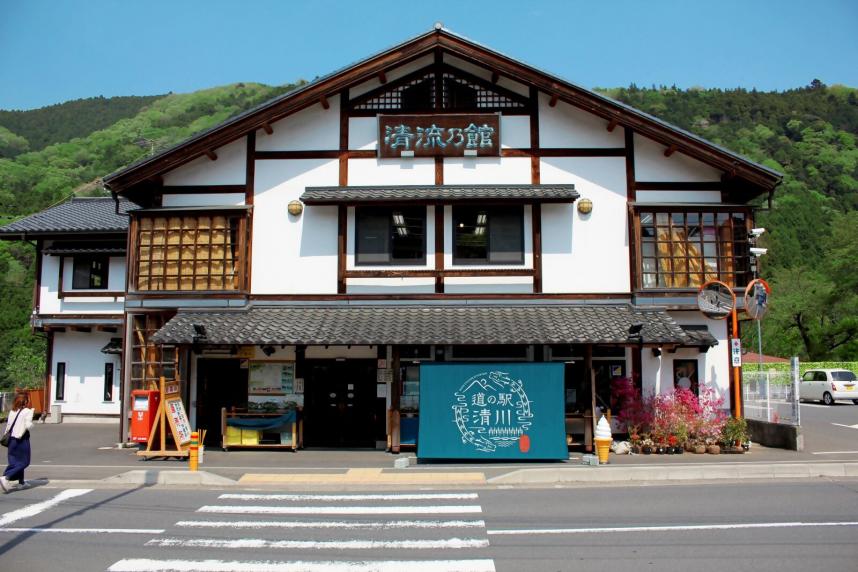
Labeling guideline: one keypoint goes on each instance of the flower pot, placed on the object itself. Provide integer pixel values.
(713, 449)
(635, 449)
(659, 450)
(669, 450)
(700, 449)
(646, 450)
(678, 450)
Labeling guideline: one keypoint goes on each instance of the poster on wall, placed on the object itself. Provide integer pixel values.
(492, 411)
(271, 378)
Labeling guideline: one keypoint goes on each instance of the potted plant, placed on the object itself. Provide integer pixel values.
(733, 434)
(646, 446)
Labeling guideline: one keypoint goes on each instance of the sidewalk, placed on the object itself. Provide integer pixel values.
(72, 452)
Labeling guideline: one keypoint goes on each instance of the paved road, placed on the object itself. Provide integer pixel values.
(830, 431)
(785, 526)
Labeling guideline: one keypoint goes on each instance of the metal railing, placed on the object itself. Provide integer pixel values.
(771, 395)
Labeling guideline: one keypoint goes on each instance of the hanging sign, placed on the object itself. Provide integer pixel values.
(757, 298)
(716, 300)
(492, 411)
(736, 352)
(448, 135)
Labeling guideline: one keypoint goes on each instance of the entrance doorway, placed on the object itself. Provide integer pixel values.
(340, 403)
(220, 383)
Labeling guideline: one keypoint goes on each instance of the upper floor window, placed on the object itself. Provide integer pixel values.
(488, 235)
(390, 235)
(188, 253)
(684, 249)
(90, 272)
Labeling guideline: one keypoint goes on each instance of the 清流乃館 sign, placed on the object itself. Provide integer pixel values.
(492, 411)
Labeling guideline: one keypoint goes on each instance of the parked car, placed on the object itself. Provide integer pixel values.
(828, 385)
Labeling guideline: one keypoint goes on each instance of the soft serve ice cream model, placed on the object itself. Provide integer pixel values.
(603, 440)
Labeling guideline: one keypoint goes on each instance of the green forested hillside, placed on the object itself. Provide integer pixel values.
(56, 123)
(807, 133)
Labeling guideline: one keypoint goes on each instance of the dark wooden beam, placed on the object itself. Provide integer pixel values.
(437, 273)
(342, 223)
(536, 227)
(631, 196)
(670, 151)
(108, 329)
(612, 125)
(211, 155)
(382, 77)
(495, 77)
(553, 101)
(439, 246)
(325, 103)
(267, 128)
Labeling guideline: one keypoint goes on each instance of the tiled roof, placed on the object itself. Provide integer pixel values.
(423, 324)
(445, 193)
(76, 215)
(700, 336)
(86, 247)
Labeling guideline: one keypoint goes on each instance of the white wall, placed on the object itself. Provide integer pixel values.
(293, 255)
(567, 126)
(84, 387)
(229, 169)
(417, 171)
(652, 165)
(311, 128)
(50, 303)
(586, 253)
(202, 199)
(712, 366)
(487, 171)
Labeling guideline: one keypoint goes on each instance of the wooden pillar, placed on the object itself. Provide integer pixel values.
(591, 375)
(736, 372)
(394, 400)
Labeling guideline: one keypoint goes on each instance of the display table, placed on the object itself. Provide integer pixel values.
(580, 424)
(258, 430)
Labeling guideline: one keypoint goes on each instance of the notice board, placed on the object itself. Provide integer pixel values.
(178, 419)
(492, 411)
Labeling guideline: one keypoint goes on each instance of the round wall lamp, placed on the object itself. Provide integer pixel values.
(295, 208)
(585, 206)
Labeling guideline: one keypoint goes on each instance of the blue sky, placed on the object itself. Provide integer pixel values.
(55, 50)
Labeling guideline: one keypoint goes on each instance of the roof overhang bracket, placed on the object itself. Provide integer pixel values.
(612, 125)
(211, 154)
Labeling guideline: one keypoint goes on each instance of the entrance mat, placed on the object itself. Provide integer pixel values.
(364, 476)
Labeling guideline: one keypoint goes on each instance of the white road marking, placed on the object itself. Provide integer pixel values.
(340, 498)
(34, 509)
(847, 426)
(836, 453)
(244, 543)
(256, 509)
(679, 528)
(150, 565)
(375, 525)
(89, 530)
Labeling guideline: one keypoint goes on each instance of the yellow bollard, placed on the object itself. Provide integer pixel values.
(193, 456)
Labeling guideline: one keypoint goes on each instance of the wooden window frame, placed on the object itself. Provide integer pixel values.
(727, 276)
(487, 261)
(241, 252)
(389, 210)
(89, 259)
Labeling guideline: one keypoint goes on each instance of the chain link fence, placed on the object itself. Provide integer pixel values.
(772, 395)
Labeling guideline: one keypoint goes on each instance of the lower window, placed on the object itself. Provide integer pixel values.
(488, 235)
(390, 235)
(90, 273)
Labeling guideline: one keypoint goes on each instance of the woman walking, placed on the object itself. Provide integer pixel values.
(18, 427)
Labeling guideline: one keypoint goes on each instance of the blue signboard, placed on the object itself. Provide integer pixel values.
(492, 411)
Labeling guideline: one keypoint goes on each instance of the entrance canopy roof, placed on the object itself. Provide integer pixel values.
(439, 194)
(425, 324)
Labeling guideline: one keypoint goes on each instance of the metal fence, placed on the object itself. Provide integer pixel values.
(771, 395)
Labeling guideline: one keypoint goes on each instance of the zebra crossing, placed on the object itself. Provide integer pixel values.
(414, 531)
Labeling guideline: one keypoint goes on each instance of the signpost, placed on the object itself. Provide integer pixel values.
(717, 301)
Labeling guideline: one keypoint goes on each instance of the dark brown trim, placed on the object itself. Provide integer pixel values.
(37, 283)
(625, 296)
(431, 201)
(91, 294)
(612, 124)
(198, 189)
(342, 154)
(249, 196)
(536, 227)
(535, 175)
(678, 186)
(317, 154)
(342, 223)
(430, 273)
(634, 241)
(49, 357)
(62, 258)
(77, 317)
(169, 294)
(629, 140)
(637, 368)
(439, 247)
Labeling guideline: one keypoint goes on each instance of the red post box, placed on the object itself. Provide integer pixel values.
(144, 406)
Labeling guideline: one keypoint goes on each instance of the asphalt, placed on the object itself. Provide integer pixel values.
(85, 453)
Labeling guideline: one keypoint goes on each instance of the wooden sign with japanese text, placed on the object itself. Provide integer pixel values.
(448, 135)
(178, 419)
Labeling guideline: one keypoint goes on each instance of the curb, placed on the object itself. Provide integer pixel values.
(615, 474)
(160, 477)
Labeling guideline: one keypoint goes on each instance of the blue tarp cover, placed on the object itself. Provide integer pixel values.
(264, 423)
